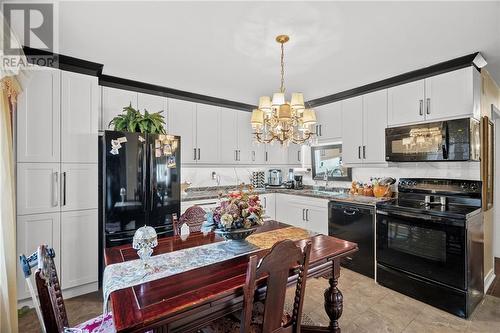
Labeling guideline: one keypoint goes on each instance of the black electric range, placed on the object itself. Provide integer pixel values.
(430, 243)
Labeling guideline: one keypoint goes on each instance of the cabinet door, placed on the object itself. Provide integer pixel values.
(112, 103)
(79, 186)
(38, 118)
(406, 103)
(228, 136)
(317, 219)
(246, 152)
(329, 121)
(289, 210)
(152, 103)
(268, 202)
(259, 153)
(374, 124)
(352, 129)
(276, 153)
(33, 231)
(38, 188)
(208, 133)
(79, 253)
(182, 122)
(79, 114)
(450, 95)
(294, 154)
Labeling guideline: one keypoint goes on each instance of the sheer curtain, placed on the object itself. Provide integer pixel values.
(9, 89)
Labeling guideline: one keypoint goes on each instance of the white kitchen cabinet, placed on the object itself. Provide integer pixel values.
(329, 120)
(79, 118)
(374, 124)
(352, 129)
(268, 202)
(316, 218)
(452, 94)
(79, 186)
(79, 248)
(228, 136)
(182, 122)
(304, 212)
(294, 154)
(207, 133)
(112, 103)
(276, 153)
(38, 118)
(38, 188)
(206, 204)
(152, 103)
(259, 153)
(32, 231)
(246, 153)
(406, 103)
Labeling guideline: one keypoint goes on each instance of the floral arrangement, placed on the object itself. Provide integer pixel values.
(239, 210)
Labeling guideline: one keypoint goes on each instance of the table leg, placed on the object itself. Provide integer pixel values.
(334, 299)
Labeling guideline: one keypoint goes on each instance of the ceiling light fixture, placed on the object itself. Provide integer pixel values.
(277, 119)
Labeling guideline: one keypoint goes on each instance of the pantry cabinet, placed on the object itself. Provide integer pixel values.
(364, 119)
(78, 186)
(38, 188)
(454, 94)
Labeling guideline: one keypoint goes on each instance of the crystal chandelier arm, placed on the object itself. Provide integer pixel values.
(282, 87)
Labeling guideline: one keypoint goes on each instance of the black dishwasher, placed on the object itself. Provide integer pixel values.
(354, 223)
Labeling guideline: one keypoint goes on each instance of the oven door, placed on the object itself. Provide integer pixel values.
(428, 246)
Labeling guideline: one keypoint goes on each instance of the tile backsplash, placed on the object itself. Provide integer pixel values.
(201, 176)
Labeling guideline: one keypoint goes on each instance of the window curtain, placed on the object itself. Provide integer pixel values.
(9, 90)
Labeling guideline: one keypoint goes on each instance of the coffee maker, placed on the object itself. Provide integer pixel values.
(297, 182)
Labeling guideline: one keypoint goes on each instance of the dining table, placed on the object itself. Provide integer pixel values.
(189, 300)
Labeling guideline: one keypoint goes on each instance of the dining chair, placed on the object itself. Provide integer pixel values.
(269, 315)
(194, 217)
(55, 318)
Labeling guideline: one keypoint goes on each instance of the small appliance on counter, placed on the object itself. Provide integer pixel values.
(275, 178)
(297, 182)
(430, 243)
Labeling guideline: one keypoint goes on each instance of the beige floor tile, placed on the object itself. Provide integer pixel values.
(374, 322)
(432, 320)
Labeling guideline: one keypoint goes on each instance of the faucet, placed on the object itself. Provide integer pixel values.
(216, 177)
(325, 178)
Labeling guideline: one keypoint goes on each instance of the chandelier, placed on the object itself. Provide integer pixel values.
(280, 120)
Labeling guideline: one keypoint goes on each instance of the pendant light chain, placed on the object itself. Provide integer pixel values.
(282, 88)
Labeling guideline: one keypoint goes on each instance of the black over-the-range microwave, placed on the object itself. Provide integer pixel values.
(451, 140)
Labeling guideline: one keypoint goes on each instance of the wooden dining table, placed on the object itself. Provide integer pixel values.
(188, 301)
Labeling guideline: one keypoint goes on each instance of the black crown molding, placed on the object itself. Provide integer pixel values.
(142, 87)
(442, 67)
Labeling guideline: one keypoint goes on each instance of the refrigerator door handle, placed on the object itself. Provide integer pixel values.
(151, 176)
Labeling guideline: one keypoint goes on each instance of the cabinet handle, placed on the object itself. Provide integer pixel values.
(64, 189)
(235, 155)
(265, 202)
(307, 215)
(421, 107)
(303, 214)
(266, 156)
(298, 155)
(239, 155)
(55, 189)
(428, 102)
(253, 155)
(199, 154)
(364, 152)
(194, 158)
(320, 130)
(359, 152)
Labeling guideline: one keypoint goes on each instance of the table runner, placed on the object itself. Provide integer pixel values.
(132, 273)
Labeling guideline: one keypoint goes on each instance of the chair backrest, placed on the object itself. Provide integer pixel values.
(283, 257)
(194, 217)
(49, 292)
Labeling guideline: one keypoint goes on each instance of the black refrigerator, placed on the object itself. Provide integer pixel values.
(140, 176)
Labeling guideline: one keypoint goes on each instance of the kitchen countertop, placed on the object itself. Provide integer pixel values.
(336, 194)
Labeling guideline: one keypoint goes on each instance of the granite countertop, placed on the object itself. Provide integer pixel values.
(337, 194)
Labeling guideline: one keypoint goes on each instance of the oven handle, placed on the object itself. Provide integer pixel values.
(418, 216)
(446, 144)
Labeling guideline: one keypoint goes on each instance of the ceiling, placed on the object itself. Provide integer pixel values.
(227, 49)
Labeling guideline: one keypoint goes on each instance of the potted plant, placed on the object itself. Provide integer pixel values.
(131, 120)
(238, 216)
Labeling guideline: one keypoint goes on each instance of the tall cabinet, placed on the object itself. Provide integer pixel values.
(57, 125)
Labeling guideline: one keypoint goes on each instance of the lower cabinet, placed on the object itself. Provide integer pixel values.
(304, 212)
(33, 230)
(268, 201)
(79, 248)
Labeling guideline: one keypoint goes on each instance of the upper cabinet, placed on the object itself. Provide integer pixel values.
(364, 119)
(228, 136)
(207, 133)
(79, 118)
(329, 120)
(182, 122)
(113, 102)
(152, 103)
(38, 118)
(453, 94)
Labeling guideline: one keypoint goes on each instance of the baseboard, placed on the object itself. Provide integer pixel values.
(67, 294)
(488, 280)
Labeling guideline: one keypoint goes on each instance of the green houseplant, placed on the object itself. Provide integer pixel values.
(131, 120)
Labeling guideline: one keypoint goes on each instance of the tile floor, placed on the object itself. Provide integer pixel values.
(368, 307)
